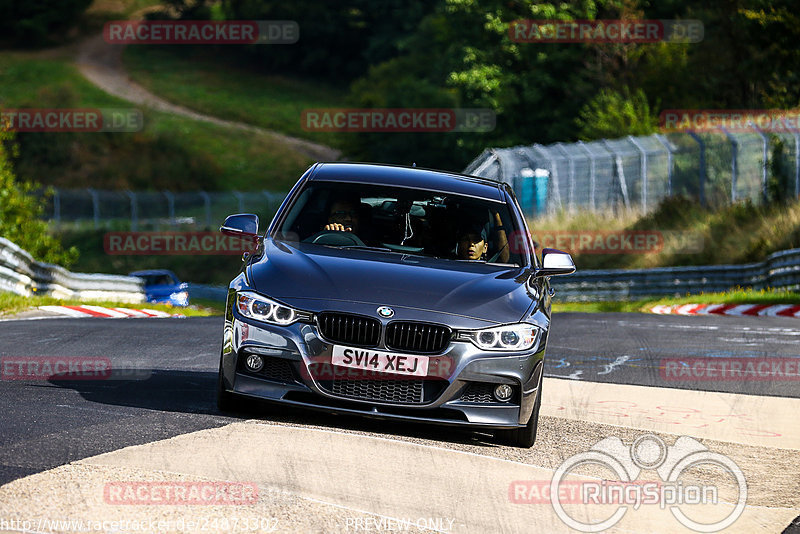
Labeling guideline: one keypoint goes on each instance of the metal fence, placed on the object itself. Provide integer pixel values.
(635, 173)
(155, 210)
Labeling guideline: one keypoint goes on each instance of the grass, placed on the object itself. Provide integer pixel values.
(221, 83)
(692, 234)
(735, 296)
(169, 153)
(11, 304)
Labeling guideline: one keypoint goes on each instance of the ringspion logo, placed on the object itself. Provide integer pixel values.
(601, 503)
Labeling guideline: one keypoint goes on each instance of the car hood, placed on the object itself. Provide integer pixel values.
(300, 274)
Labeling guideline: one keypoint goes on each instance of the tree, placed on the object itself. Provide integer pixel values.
(21, 211)
(614, 114)
(31, 24)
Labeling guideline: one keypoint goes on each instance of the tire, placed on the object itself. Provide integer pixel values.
(226, 401)
(524, 437)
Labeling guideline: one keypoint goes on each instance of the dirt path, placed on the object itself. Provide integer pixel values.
(101, 64)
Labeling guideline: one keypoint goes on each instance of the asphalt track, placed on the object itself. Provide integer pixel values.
(162, 398)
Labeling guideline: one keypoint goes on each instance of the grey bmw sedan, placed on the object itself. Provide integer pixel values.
(393, 292)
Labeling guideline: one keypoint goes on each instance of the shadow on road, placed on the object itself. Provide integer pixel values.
(194, 392)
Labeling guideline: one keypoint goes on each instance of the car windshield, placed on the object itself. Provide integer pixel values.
(403, 220)
(156, 279)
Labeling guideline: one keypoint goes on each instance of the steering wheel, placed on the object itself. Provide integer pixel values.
(335, 238)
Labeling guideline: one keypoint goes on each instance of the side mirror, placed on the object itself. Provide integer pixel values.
(555, 263)
(244, 225)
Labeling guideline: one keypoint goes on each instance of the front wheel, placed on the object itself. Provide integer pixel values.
(226, 401)
(524, 437)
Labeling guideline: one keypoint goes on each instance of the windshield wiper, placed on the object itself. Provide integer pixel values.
(365, 247)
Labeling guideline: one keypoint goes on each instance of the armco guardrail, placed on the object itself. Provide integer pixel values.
(21, 274)
(780, 270)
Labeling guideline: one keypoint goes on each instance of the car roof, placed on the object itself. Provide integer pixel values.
(413, 177)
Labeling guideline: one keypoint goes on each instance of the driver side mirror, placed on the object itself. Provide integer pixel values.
(555, 263)
(244, 225)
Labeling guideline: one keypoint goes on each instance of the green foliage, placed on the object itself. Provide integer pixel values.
(40, 22)
(20, 212)
(614, 114)
(182, 9)
(339, 39)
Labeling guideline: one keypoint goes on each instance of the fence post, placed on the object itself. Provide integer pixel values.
(796, 136)
(571, 167)
(170, 207)
(623, 185)
(643, 170)
(485, 164)
(668, 146)
(734, 163)
(764, 156)
(134, 211)
(553, 183)
(620, 173)
(592, 175)
(95, 207)
(702, 144)
(207, 204)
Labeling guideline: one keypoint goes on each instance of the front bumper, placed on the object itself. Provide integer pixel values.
(456, 392)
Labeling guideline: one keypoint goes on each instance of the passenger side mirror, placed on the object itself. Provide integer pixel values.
(244, 225)
(555, 263)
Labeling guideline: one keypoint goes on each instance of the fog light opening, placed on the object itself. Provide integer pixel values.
(254, 362)
(503, 392)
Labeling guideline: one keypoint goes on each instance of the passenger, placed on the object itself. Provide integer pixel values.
(473, 242)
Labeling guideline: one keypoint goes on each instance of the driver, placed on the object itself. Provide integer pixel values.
(344, 215)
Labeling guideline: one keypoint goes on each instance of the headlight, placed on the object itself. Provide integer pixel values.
(263, 309)
(520, 336)
(182, 296)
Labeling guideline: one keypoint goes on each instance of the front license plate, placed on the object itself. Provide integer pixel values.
(383, 362)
